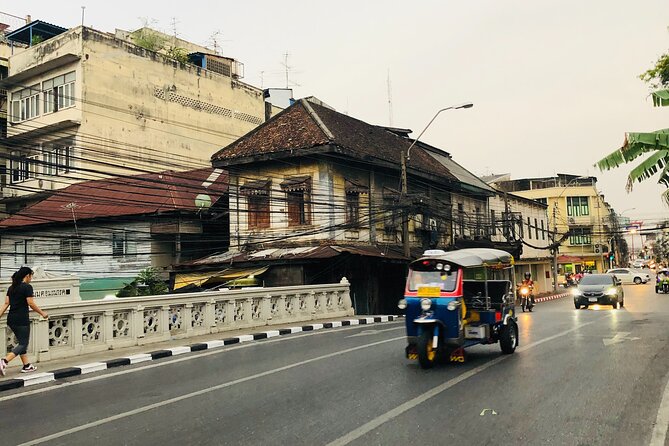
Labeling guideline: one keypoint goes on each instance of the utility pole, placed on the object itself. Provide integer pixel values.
(404, 189)
(555, 247)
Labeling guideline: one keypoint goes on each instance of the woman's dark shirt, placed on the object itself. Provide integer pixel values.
(18, 304)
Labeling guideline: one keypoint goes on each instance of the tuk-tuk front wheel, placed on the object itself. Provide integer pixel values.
(508, 338)
(426, 354)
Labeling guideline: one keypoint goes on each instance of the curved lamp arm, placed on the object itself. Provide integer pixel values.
(452, 107)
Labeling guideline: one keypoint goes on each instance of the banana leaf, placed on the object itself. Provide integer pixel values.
(660, 98)
(649, 167)
(634, 146)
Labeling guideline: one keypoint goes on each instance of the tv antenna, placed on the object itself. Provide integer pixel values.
(287, 69)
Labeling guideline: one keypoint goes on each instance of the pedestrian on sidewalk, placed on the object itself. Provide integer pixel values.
(19, 299)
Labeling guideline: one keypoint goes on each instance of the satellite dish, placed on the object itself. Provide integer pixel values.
(202, 201)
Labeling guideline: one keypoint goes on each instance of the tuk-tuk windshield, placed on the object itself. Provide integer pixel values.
(446, 281)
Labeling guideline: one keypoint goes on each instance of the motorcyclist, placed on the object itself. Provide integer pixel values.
(529, 284)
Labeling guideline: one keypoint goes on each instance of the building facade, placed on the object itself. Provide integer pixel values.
(577, 213)
(85, 104)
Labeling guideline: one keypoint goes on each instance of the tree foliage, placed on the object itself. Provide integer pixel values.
(147, 283)
(654, 145)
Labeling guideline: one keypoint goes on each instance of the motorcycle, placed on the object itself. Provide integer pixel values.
(662, 283)
(526, 297)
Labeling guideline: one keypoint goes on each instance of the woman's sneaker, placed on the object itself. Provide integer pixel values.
(3, 366)
(28, 368)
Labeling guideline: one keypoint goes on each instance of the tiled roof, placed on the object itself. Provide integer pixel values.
(137, 195)
(306, 125)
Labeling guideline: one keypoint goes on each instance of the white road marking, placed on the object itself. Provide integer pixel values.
(36, 378)
(659, 435)
(272, 333)
(373, 332)
(179, 350)
(404, 407)
(245, 338)
(621, 336)
(146, 357)
(215, 344)
(200, 392)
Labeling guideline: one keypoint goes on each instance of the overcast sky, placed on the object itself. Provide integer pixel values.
(555, 83)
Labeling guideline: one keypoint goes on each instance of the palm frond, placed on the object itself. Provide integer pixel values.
(649, 167)
(665, 197)
(634, 146)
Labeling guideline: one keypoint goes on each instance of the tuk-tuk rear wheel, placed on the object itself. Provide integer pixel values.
(508, 338)
(426, 354)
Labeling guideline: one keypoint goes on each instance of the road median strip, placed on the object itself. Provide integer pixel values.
(68, 372)
(551, 297)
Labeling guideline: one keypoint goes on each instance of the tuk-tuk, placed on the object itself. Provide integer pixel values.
(453, 300)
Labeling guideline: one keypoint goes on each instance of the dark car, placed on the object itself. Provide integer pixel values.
(599, 289)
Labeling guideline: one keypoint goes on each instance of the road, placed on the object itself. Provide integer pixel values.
(579, 377)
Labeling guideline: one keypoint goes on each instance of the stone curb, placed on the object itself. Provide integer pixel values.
(553, 297)
(40, 378)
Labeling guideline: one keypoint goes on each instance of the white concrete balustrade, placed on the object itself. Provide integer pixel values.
(90, 326)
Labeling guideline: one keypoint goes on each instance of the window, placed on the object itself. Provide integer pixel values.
(297, 191)
(536, 229)
(543, 231)
(58, 92)
(22, 167)
(122, 245)
(529, 228)
(353, 189)
(352, 208)
(258, 211)
(25, 104)
(580, 236)
(577, 206)
(22, 251)
(70, 249)
(57, 160)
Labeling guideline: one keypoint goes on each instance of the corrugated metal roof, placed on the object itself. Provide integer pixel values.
(142, 194)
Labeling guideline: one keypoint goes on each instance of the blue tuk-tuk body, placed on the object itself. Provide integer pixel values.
(457, 299)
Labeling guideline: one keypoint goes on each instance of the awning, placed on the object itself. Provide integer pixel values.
(199, 279)
(255, 187)
(295, 184)
(353, 187)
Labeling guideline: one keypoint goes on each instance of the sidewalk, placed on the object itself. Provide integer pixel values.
(79, 365)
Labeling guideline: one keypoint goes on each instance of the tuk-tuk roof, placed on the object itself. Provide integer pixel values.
(471, 257)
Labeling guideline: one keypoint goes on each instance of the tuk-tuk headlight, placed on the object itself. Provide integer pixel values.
(425, 304)
(452, 305)
(402, 304)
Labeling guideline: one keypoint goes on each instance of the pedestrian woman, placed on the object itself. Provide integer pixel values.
(19, 298)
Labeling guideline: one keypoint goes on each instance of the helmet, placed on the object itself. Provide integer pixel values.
(527, 276)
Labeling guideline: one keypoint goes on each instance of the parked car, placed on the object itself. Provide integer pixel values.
(602, 289)
(629, 275)
(638, 263)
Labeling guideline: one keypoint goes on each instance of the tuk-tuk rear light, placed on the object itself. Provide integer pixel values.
(498, 316)
(425, 304)
(402, 304)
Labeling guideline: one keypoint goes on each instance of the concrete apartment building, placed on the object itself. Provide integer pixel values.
(579, 213)
(86, 104)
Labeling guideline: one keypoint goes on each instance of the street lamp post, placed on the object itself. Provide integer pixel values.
(404, 184)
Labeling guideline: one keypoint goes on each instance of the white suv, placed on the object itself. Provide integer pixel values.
(628, 275)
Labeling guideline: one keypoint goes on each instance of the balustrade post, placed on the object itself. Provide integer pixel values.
(281, 310)
(266, 309)
(311, 304)
(230, 312)
(41, 339)
(323, 299)
(164, 317)
(137, 324)
(348, 306)
(210, 314)
(77, 332)
(188, 319)
(108, 328)
(248, 311)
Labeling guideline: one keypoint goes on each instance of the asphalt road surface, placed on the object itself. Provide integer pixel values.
(579, 377)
